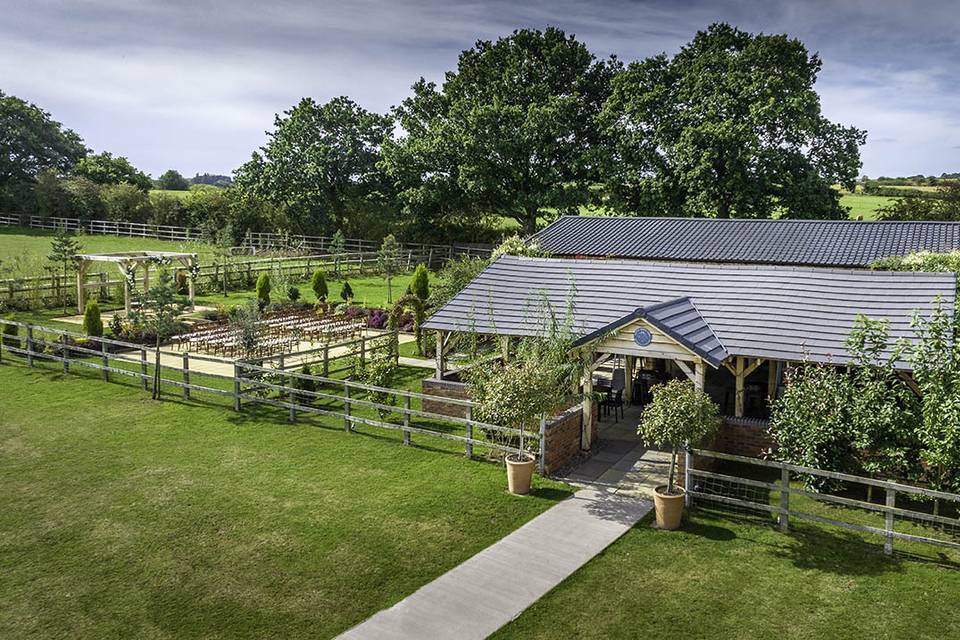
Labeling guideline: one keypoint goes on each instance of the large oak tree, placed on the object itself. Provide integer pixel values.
(730, 126)
(320, 166)
(511, 132)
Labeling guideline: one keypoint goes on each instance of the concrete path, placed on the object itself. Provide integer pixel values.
(493, 587)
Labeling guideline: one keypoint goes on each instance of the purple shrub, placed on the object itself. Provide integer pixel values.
(378, 318)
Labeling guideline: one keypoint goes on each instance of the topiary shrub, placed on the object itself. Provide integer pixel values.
(293, 293)
(92, 324)
(319, 285)
(679, 413)
(346, 292)
(420, 284)
(263, 291)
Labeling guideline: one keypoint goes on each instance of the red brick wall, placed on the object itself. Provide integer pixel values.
(738, 436)
(446, 389)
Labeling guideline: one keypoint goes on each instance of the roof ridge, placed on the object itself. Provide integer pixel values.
(754, 220)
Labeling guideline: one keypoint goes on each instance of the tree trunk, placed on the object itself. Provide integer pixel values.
(673, 466)
(389, 290)
(529, 222)
(156, 371)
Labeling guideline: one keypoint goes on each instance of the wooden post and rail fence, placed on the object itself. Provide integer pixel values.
(754, 494)
(242, 382)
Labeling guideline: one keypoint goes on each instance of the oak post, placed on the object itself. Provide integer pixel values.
(186, 375)
(469, 445)
(784, 516)
(143, 368)
(888, 522)
(106, 360)
(346, 406)
(29, 345)
(406, 420)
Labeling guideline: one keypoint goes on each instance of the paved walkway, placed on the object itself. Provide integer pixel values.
(493, 587)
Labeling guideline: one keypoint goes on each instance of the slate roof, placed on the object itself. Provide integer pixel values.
(833, 243)
(784, 313)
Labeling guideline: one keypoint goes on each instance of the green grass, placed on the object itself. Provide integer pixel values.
(864, 205)
(368, 291)
(125, 517)
(722, 577)
(34, 244)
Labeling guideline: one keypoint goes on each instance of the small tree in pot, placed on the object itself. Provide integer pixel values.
(679, 413)
(533, 383)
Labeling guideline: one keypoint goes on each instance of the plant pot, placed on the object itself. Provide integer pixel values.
(669, 508)
(519, 473)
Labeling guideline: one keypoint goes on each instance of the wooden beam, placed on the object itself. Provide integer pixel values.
(906, 377)
(505, 347)
(699, 375)
(629, 364)
(586, 433)
(740, 379)
(441, 340)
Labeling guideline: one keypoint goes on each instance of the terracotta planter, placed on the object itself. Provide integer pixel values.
(519, 473)
(669, 508)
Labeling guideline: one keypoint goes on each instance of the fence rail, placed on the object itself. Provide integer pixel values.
(753, 494)
(250, 382)
(253, 240)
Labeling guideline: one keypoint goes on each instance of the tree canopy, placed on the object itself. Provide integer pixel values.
(730, 126)
(32, 142)
(105, 168)
(510, 132)
(320, 164)
(172, 180)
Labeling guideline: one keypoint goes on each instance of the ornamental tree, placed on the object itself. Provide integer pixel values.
(263, 291)
(388, 262)
(318, 283)
(679, 413)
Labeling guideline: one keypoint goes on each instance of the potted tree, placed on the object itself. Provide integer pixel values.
(679, 413)
(517, 393)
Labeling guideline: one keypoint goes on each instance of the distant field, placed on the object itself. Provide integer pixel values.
(864, 205)
(35, 243)
(182, 194)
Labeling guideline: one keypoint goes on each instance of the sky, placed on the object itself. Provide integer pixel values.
(194, 85)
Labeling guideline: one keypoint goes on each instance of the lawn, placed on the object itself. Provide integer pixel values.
(864, 205)
(724, 576)
(34, 244)
(125, 517)
(369, 291)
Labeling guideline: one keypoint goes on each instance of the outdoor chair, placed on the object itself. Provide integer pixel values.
(614, 400)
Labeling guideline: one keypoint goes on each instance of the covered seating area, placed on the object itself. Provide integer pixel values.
(731, 329)
(128, 262)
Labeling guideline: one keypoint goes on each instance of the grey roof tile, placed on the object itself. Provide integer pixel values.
(837, 243)
(786, 313)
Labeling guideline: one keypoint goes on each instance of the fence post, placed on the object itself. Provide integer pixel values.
(65, 353)
(784, 499)
(106, 360)
(326, 359)
(543, 444)
(29, 345)
(363, 350)
(236, 386)
(291, 398)
(406, 420)
(888, 522)
(346, 406)
(186, 375)
(687, 475)
(469, 432)
(143, 368)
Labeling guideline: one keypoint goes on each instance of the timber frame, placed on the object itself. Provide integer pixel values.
(127, 262)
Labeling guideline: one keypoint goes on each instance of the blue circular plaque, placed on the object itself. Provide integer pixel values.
(642, 337)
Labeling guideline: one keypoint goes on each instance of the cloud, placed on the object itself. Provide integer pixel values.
(193, 85)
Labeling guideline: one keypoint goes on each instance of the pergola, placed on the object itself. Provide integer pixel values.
(128, 262)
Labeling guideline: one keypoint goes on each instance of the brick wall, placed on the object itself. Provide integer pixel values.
(738, 436)
(563, 438)
(445, 389)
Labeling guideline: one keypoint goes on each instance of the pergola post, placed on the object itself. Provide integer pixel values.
(740, 371)
(441, 360)
(81, 280)
(505, 348)
(773, 370)
(146, 278)
(191, 289)
(126, 287)
(586, 434)
(629, 364)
